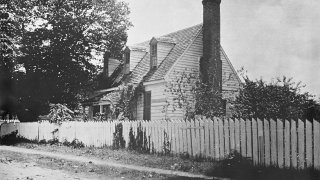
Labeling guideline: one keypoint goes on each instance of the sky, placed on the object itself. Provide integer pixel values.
(269, 38)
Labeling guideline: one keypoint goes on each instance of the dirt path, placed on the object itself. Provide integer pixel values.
(97, 162)
(16, 170)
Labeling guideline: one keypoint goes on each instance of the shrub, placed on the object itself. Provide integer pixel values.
(237, 167)
(166, 144)
(139, 142)
(118, 140)
(132, 140)
(59, 113)
(76, 144)
(12, 139)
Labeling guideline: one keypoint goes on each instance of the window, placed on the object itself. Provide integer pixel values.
(153, 56)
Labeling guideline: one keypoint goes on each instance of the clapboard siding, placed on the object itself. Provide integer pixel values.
(189, 63)
(157, 100)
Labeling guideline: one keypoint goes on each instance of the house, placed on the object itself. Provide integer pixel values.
(154, 63)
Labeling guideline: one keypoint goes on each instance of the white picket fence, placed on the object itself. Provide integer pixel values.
(268, 142)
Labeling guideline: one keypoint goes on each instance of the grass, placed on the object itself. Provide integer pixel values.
(237, 167)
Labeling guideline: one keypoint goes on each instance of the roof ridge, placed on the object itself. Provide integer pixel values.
(165, 35)
(184, 29)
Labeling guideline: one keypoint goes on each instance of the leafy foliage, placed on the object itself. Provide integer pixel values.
(235, 166)
(118, 141)
(139, 142)
(58, 41)
(59, 113)
(127, 101)
(7, 59)
(280, 99)
(193, 96)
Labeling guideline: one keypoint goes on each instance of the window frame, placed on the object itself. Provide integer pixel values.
(153, 55)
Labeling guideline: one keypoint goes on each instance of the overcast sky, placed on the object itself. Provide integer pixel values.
(268, 38)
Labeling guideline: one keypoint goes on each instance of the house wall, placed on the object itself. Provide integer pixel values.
(189, 63)
(158, 100)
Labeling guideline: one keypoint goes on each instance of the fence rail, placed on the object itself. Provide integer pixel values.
(282, 143)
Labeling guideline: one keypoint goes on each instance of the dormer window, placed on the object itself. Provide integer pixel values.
(153, 55)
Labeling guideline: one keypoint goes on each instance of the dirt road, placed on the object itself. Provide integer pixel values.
(17, 166)
(20, 163)
(15, 170)
(22, 166)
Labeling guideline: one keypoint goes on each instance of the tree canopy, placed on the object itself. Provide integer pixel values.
(281, 99)
(58, 41)
(7, 27)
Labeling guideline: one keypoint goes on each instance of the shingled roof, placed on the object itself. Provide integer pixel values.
(183, 39)
(142, 72)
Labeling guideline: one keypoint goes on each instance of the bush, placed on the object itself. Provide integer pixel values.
(139, 142)
(12, 139)
(237, 167)
(118, 140)
(76, 144)
(59, 113)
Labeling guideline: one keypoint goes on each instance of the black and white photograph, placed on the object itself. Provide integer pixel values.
(159, 89)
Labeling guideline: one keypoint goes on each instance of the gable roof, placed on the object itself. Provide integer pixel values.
(142, 72)
(182, 39)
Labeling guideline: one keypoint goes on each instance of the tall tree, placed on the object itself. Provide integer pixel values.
(59, 41)
(6, 60)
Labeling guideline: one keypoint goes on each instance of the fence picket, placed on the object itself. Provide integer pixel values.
(308, 143)
(286, 143)
(273, 135)
(237, 134)
(175, 136)
(316, 140)
(170, 133)
(261, 151)
(216, 138)
(212, 138)
(249, 138)
(180, 137)
(202, 138)
(207, 138)
(280, 149)
(294, 145)
(232, 139)
(226, 136)
(243, 140)
(255, 142)
(195, 138)
(267, 143)
(189, 137)
(301, 152)
(221, 139)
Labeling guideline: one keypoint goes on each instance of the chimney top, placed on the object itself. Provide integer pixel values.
(214, 1)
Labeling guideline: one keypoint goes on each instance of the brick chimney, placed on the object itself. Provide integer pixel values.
(106, 57)
(211, 65)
